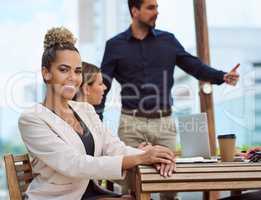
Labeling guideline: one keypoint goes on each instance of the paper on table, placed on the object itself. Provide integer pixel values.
(195, 160)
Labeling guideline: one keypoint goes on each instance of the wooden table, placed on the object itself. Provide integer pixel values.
(233, 176)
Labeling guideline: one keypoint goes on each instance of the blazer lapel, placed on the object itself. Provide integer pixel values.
(61, 128)
(86, 114)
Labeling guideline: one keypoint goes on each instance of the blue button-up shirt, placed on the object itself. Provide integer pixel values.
(144, 68)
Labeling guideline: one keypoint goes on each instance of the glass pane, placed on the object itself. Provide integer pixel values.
(234, 33)
(177, 17)
(111, 18)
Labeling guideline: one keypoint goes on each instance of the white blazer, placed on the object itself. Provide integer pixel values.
(59, 157)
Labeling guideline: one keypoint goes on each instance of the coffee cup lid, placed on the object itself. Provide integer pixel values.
(232, 136)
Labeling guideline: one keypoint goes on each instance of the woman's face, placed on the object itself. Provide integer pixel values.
(64, 75)
(95, 91)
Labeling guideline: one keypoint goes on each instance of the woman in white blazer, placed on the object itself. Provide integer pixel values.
(53, 132)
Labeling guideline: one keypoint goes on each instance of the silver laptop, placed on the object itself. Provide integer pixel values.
(194, 139)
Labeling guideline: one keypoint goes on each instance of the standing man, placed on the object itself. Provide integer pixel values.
(142, 59)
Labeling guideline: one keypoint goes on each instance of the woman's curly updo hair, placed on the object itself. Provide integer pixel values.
(56, 39)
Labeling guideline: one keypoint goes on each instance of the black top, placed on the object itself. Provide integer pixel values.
(86, 137)
(92, 191)
(145, 68)
(88, 143)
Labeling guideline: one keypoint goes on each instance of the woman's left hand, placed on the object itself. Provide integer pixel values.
(166, 170)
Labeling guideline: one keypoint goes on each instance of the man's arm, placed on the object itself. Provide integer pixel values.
(107, 68)
(194, 66)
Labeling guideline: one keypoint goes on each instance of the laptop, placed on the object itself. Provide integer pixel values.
(194, 138)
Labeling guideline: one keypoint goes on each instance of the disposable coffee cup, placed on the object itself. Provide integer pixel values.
(227, 146)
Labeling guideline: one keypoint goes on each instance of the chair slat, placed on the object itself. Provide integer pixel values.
(23, 167)
(24, 187)
(25, 177)
(12, 180)
(21, 158)
(19, 175)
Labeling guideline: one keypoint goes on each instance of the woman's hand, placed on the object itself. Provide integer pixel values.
(153, 155)
(166, 169)
(157, 154)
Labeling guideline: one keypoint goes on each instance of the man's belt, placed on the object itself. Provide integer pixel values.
(147, 114)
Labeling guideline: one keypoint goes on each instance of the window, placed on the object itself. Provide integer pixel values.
(234, 38)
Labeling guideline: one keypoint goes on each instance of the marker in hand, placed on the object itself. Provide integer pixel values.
(235, 68)
(232, 77)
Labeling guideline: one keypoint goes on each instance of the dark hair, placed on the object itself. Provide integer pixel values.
(134, 3)
(89, 72)
(57, 39)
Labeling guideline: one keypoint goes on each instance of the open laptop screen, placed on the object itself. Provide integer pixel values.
(194, 139)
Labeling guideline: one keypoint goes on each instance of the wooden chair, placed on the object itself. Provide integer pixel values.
(19, 175)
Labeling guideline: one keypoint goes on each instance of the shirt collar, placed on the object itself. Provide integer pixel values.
(129, 34)
(154, 32)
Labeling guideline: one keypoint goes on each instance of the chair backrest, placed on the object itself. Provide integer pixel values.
(19, 175)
